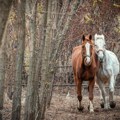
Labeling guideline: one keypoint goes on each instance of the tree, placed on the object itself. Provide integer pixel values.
(5, 6)
(50, 52)
(30, 105)
(2, 68)
(20, 12)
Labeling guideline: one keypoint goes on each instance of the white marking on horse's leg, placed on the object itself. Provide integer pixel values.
(112, 83)
(80, 107)
(111, 88)
(79, 104)
(106, 104)
(111, 96)
(79, 93)
(91, 96)
(91, 106)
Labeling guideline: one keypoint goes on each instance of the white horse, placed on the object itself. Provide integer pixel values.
(107, 72)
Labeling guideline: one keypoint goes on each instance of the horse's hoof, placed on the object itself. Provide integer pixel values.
(80, 108)
(112, 104)
(102, 105)
(90, 110)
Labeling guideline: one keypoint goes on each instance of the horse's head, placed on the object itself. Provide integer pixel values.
(87, 49)
(100, 46)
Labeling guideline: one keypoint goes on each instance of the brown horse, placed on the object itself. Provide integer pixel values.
(84, 63)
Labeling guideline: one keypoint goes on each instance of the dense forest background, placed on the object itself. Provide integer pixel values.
(36, 37)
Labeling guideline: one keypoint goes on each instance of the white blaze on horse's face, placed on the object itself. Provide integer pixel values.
(100, 46)
(87, 58)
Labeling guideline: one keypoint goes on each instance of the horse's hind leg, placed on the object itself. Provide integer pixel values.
(111, 92)
(91, 88)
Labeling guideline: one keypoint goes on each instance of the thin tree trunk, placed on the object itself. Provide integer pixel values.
(5, 6)
(30, 105)
(42, 39)
(45, 62)
(16, 107)
(54, 17)
(38, 70)
(2, 69)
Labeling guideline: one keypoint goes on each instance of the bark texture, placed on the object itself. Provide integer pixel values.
(5, 6)
(16, 107)
(30, 105)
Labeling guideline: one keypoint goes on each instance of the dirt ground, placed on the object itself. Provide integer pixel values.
(64, 107)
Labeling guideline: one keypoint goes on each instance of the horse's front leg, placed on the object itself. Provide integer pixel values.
(91, 88)
(111, 91)
(79, 93)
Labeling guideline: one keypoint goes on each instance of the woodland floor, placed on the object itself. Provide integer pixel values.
(64, 107)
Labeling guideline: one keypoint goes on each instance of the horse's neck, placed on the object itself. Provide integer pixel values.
(105, 59)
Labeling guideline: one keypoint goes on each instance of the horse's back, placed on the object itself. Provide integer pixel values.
(113, 61)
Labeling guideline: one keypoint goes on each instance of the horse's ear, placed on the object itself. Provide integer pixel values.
(83, 38)
(90, 37)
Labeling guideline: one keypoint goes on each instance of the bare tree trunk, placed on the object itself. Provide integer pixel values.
(2, 69)
(43, 89)
(16, 107)
(30, 105)
(42, 38)
(38, 71)
(54, 20)
(5, 6)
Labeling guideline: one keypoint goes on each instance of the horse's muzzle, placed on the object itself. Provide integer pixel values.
(87, 61)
